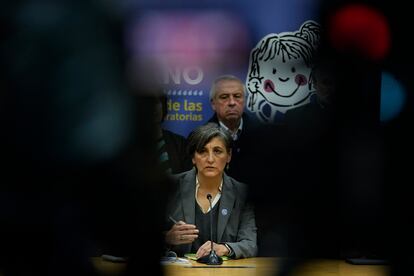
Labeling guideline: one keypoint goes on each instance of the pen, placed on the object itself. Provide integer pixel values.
(173, 220)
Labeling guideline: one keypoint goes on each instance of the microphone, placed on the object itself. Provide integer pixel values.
(212, 258)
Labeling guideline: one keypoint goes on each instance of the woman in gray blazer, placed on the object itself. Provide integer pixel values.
(234, 226)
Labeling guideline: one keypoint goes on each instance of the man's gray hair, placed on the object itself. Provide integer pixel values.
(225, 78)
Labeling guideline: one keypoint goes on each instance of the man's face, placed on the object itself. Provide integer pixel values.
(228, 103)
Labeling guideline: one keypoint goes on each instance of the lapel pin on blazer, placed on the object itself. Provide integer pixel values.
(224, 212)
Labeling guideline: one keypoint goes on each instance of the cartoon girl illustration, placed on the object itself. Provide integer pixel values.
(280, 69)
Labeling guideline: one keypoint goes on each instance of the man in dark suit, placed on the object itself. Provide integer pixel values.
(171, 147)
(227, 98)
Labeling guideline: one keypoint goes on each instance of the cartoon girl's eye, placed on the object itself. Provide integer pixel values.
(274, 70)
(293, 70)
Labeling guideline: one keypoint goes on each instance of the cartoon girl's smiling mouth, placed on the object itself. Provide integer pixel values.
(269, 87)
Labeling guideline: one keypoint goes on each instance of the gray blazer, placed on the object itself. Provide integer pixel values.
(236, 220)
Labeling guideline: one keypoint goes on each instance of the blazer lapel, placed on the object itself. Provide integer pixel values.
(226, 206)
(188, 197)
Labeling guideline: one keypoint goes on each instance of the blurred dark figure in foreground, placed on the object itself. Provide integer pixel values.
(80, 175)
(297, 180)
(399, 144)
(318, 187)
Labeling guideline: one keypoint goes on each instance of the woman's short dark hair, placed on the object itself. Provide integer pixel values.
(202, 135)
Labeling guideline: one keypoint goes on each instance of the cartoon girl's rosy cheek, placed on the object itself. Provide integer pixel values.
(269, 86)
(300, 80)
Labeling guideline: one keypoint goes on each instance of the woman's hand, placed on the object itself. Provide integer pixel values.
(221, 249)
(181, 233)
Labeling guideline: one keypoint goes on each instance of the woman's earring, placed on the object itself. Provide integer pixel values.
(227, 166)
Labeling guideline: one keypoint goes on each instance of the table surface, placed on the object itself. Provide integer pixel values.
(254, 267)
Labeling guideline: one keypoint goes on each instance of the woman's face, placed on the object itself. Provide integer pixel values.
(212, 159)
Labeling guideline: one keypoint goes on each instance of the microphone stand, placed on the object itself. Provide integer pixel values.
(212, 258)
